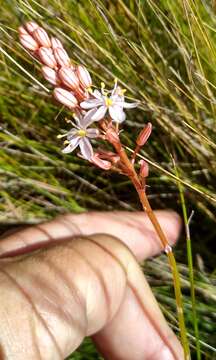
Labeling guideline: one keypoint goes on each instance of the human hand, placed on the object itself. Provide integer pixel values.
(71, 277)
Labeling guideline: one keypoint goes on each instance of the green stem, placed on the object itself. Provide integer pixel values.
(190, 265)
(147, 208)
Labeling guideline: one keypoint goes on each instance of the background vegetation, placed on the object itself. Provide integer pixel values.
(164, 54)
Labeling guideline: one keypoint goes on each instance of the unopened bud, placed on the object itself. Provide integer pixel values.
(144, 169)
(69, 77)
(65, 97)
(50, 75)
(31, 26)
(22, 31)
(28, 42)
(144, 135)
(47, 57)
(62, 57)
(56, 43)
(84, 76)
(81, 94)
(112, 136)
(103, 164)
(41, 36)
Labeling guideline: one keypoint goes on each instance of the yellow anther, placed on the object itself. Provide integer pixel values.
(108, 102)
(81, 132)
(102, 85)
(89, 89)
(59, 136)
(66, 142)
(115, 80)
(123, 91)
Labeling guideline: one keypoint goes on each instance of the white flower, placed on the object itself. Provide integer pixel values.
(114, 104)
(80, 135)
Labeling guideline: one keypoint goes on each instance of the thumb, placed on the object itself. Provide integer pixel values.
(52, 298)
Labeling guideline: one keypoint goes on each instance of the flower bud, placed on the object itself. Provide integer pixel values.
(84, 76)
(22, 31)
(31, 26)
(41, 36)
(47, 57)
(103, 164)
(69, 77)
(144, 135)
(28, 42)
(144, 169)
(65, 97)
(62, 57)
(81, 94)
(50, 75)
(56, 43)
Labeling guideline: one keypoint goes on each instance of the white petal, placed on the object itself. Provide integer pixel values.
(97, 94)
(73, 144)
(91, 103)
(127, 105)
(86, 148)
(99, 114)
(92, 133)
(71, 134)
(87, 119)
(117, 114)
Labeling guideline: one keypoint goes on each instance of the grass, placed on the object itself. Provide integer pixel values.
(164, 54)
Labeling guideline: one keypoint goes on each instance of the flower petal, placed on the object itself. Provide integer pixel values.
(92, 133)
(97, 94)
(117, 114)
(74, 142)
(71, 134)
(86, 148)
(87, 119)
(127, 105)
(99, 114)
(91, 103)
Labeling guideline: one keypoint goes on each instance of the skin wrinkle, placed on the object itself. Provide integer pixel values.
(27, 298)
(101, 281)
(54, 293)
(154, 323)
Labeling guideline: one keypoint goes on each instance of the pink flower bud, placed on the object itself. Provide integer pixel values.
(81, 94)
(69, 77)
(56, 43)
(31, 26)
(28, 42)
(47, 57)
(22, 31)
(144, 134)
(144, 169)
(62, 57)
(84, 76)
(50, 75)
(103, 164)
(41, 36)
(65, 97)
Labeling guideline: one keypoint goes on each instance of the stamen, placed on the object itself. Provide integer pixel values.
(60, 136)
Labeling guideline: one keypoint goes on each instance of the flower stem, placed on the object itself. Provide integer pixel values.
(167, 248)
